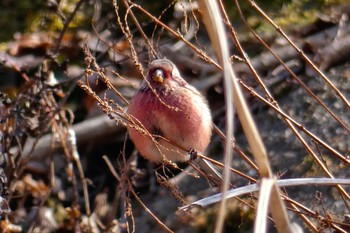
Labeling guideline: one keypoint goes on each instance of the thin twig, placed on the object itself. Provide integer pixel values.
(149, 211)
(279, 29)
(139, 28)
(65, 27)
(301, 127)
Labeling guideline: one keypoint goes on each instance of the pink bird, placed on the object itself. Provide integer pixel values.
(170, 117)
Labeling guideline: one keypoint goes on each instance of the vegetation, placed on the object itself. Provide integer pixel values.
(69, 69)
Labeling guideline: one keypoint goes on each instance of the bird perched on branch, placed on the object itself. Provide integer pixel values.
(169, 117)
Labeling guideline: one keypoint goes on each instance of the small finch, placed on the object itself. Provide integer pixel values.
(170, 117)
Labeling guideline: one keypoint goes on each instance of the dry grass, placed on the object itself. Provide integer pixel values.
(270, 193)
(235, 79)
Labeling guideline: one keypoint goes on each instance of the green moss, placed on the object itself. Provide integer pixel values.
(34, 16)
(239, 217)
(303, 12)
(288, 14)
(18, 12)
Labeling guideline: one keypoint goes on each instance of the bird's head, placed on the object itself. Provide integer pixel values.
(163, 73)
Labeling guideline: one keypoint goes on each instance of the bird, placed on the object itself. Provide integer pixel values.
(169, 118)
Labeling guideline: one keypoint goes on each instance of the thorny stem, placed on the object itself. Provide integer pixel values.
(115, 174)
(126, 31)
(245, 86)
(180, 37)
(237, 150)
(139, 28)
(213, 161)
(293, 124)
(102, 75)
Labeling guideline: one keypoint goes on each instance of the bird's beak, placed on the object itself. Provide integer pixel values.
(158, 76)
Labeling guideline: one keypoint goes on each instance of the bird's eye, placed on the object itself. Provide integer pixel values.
(158, 76)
